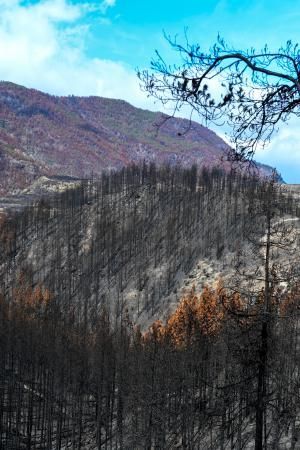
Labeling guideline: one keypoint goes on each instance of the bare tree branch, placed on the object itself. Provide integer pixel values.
(257, 90)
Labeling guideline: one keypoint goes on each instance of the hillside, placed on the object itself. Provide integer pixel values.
(132, 303)
(141, 236)
(85, 273)
(42, 134)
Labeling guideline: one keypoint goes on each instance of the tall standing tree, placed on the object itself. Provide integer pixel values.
(274, 268)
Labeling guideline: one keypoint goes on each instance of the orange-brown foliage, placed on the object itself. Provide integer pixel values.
(156, 332)
(205, 314)
(290, 301)
(197, 315)
(28, 300)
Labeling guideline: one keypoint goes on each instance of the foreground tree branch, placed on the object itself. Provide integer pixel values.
(250, 91)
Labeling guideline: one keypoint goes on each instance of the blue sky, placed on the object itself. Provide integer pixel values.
(93, 47)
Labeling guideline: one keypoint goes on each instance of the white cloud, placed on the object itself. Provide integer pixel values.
(283, 152)
(42, 46)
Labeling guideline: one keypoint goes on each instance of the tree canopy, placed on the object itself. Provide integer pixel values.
(251, 91)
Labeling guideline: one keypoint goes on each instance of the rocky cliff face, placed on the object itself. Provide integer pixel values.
(77, 136)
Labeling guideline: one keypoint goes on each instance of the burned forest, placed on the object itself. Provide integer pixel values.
(101, 348)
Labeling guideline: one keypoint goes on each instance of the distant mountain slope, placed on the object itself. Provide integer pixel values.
(42, 134)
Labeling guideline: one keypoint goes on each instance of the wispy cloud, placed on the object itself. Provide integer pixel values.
(107, 4)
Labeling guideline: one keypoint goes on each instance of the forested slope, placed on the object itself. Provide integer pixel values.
(128, 238)
(81, 269)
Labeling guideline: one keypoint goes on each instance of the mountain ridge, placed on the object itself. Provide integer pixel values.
(41, 134)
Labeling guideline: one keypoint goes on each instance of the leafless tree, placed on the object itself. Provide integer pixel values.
(255, 91)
